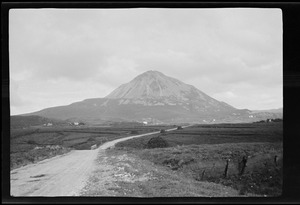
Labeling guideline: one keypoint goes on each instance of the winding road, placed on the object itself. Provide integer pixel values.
(63, 175)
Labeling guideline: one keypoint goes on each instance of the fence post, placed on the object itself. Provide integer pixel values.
(202, 175)
(276, 160)
(226, 168)
(243, 165)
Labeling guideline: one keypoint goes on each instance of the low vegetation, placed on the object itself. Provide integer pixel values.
(36, 154)
(246, 157)
(208, 162)
(156, 142)
(120, 174)
(215, 153)
(214, 134)
(32, 144)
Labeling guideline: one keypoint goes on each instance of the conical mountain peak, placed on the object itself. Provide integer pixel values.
(151, 74)
(150, 95)
(154, 84)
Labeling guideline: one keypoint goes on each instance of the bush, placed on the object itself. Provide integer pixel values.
(134, 132)
(162, 131)
(156, 142)
(91, 139)
(31, 142)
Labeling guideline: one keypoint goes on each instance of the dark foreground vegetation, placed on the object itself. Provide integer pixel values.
(36, 143)
(246, 157)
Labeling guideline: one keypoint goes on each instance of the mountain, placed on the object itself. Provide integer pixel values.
(152, 97)
(154, 88)
(154, 84)
(268, 114)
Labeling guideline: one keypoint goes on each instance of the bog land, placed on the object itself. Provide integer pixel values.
(202, 160)
(245, 157)
(37, 143)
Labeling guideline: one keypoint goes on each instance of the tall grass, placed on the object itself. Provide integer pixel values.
(208, 162)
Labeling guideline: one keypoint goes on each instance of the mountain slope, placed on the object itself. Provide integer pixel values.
(154, 88)
(156, 85)
(152, 97)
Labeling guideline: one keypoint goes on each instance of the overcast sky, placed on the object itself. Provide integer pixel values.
(61, 56)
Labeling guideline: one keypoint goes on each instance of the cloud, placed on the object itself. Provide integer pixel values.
(54, 49)
(247, 96)
(55, 53)
(117, 71)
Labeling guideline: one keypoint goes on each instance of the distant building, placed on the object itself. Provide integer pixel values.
(145, 122)
(76, 123)
(151, 121)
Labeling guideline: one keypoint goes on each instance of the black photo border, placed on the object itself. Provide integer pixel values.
(291, 96)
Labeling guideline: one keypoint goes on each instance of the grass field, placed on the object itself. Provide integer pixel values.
(215, 134)
(30, 145)
(201, 152)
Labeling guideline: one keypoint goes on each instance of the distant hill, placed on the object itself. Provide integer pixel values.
(268, 114)
(18, 121)
(279, 110)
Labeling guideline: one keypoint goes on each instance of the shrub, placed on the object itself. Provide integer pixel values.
(134, 132)
(156, 142)
(31, 142)
(91, 139)
(162, 131)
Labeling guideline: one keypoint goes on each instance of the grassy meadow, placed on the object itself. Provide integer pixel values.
(214, 153)
(201, 153)
(36, 143)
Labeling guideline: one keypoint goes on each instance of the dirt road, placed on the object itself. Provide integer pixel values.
(59, 176)
(63, 175)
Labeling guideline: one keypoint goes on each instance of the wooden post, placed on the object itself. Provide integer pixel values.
(226, 168)
(276, 160)
(202, 175)
(243, 165)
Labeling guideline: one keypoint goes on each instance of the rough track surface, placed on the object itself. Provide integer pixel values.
(63, 175)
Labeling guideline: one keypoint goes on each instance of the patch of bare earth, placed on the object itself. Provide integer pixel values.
(119, 173)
